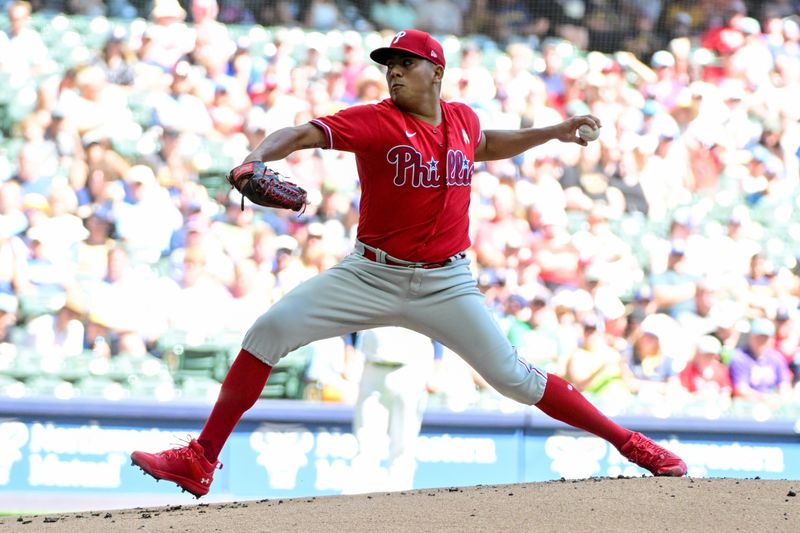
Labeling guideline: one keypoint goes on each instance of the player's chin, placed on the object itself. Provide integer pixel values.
(400, 99)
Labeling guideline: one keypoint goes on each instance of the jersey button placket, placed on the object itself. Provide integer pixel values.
(436, 131)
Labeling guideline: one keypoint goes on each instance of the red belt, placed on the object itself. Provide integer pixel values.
(369, 254)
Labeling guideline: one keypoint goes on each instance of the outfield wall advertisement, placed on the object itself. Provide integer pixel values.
(312, 452)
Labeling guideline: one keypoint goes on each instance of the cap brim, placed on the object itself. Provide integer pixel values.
(381, 55)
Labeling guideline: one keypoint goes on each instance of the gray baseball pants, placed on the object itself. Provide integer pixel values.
(441, 303)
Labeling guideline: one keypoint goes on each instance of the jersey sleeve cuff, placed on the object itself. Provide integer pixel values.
(325, 128)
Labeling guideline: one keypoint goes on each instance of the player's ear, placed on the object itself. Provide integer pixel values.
(438, 73)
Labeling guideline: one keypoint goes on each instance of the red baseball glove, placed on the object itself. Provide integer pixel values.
(263, 186)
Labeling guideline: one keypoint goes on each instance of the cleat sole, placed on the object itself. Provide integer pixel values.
(183, 489)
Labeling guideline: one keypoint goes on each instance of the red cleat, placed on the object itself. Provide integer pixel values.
(186, 466)
(649, 455)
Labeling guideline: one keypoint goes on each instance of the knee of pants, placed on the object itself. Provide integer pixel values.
(528, 390)
(270, 338)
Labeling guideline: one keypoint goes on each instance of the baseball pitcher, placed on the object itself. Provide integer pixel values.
(415, 155)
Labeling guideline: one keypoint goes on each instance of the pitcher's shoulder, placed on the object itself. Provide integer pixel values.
(460, 109)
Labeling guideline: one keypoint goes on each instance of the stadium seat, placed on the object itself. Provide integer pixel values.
(121, 366)
(221, 159)
(77, 367)
(237, 31)
(124, 367)
(10, 147)
(204, 361)
(789, 411)
(100, 387)
(7, 89)
(287, 378)
(26, 366)
(129, 144)
(10, 387)
(152, 387)
(18, 105)
(215, 182)
(49, 386)
(200, 388)
(7, 356)
(742, 408)
(39, 302)
(141, 108)
(576, 221)
(8, 164)
(95, 31)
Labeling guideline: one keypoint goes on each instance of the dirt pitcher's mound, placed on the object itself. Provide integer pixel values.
(598, 504)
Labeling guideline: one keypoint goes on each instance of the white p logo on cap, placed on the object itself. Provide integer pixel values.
(399, 36)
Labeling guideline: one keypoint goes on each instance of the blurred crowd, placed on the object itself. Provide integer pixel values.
(657, 268)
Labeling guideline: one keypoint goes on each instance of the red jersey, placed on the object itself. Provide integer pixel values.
(415, 177)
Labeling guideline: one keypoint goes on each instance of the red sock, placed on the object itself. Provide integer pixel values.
(562, 401)
(241, 388)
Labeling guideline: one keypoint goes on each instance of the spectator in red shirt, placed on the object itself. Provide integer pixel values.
(787, 340)
(555, 253)
(705, 375)
(724, 39)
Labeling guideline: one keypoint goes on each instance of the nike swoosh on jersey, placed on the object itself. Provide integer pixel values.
(410, 134)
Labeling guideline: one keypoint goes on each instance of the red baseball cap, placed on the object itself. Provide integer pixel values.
(414, 42)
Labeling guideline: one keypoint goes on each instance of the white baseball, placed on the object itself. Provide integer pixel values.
(588, 133)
